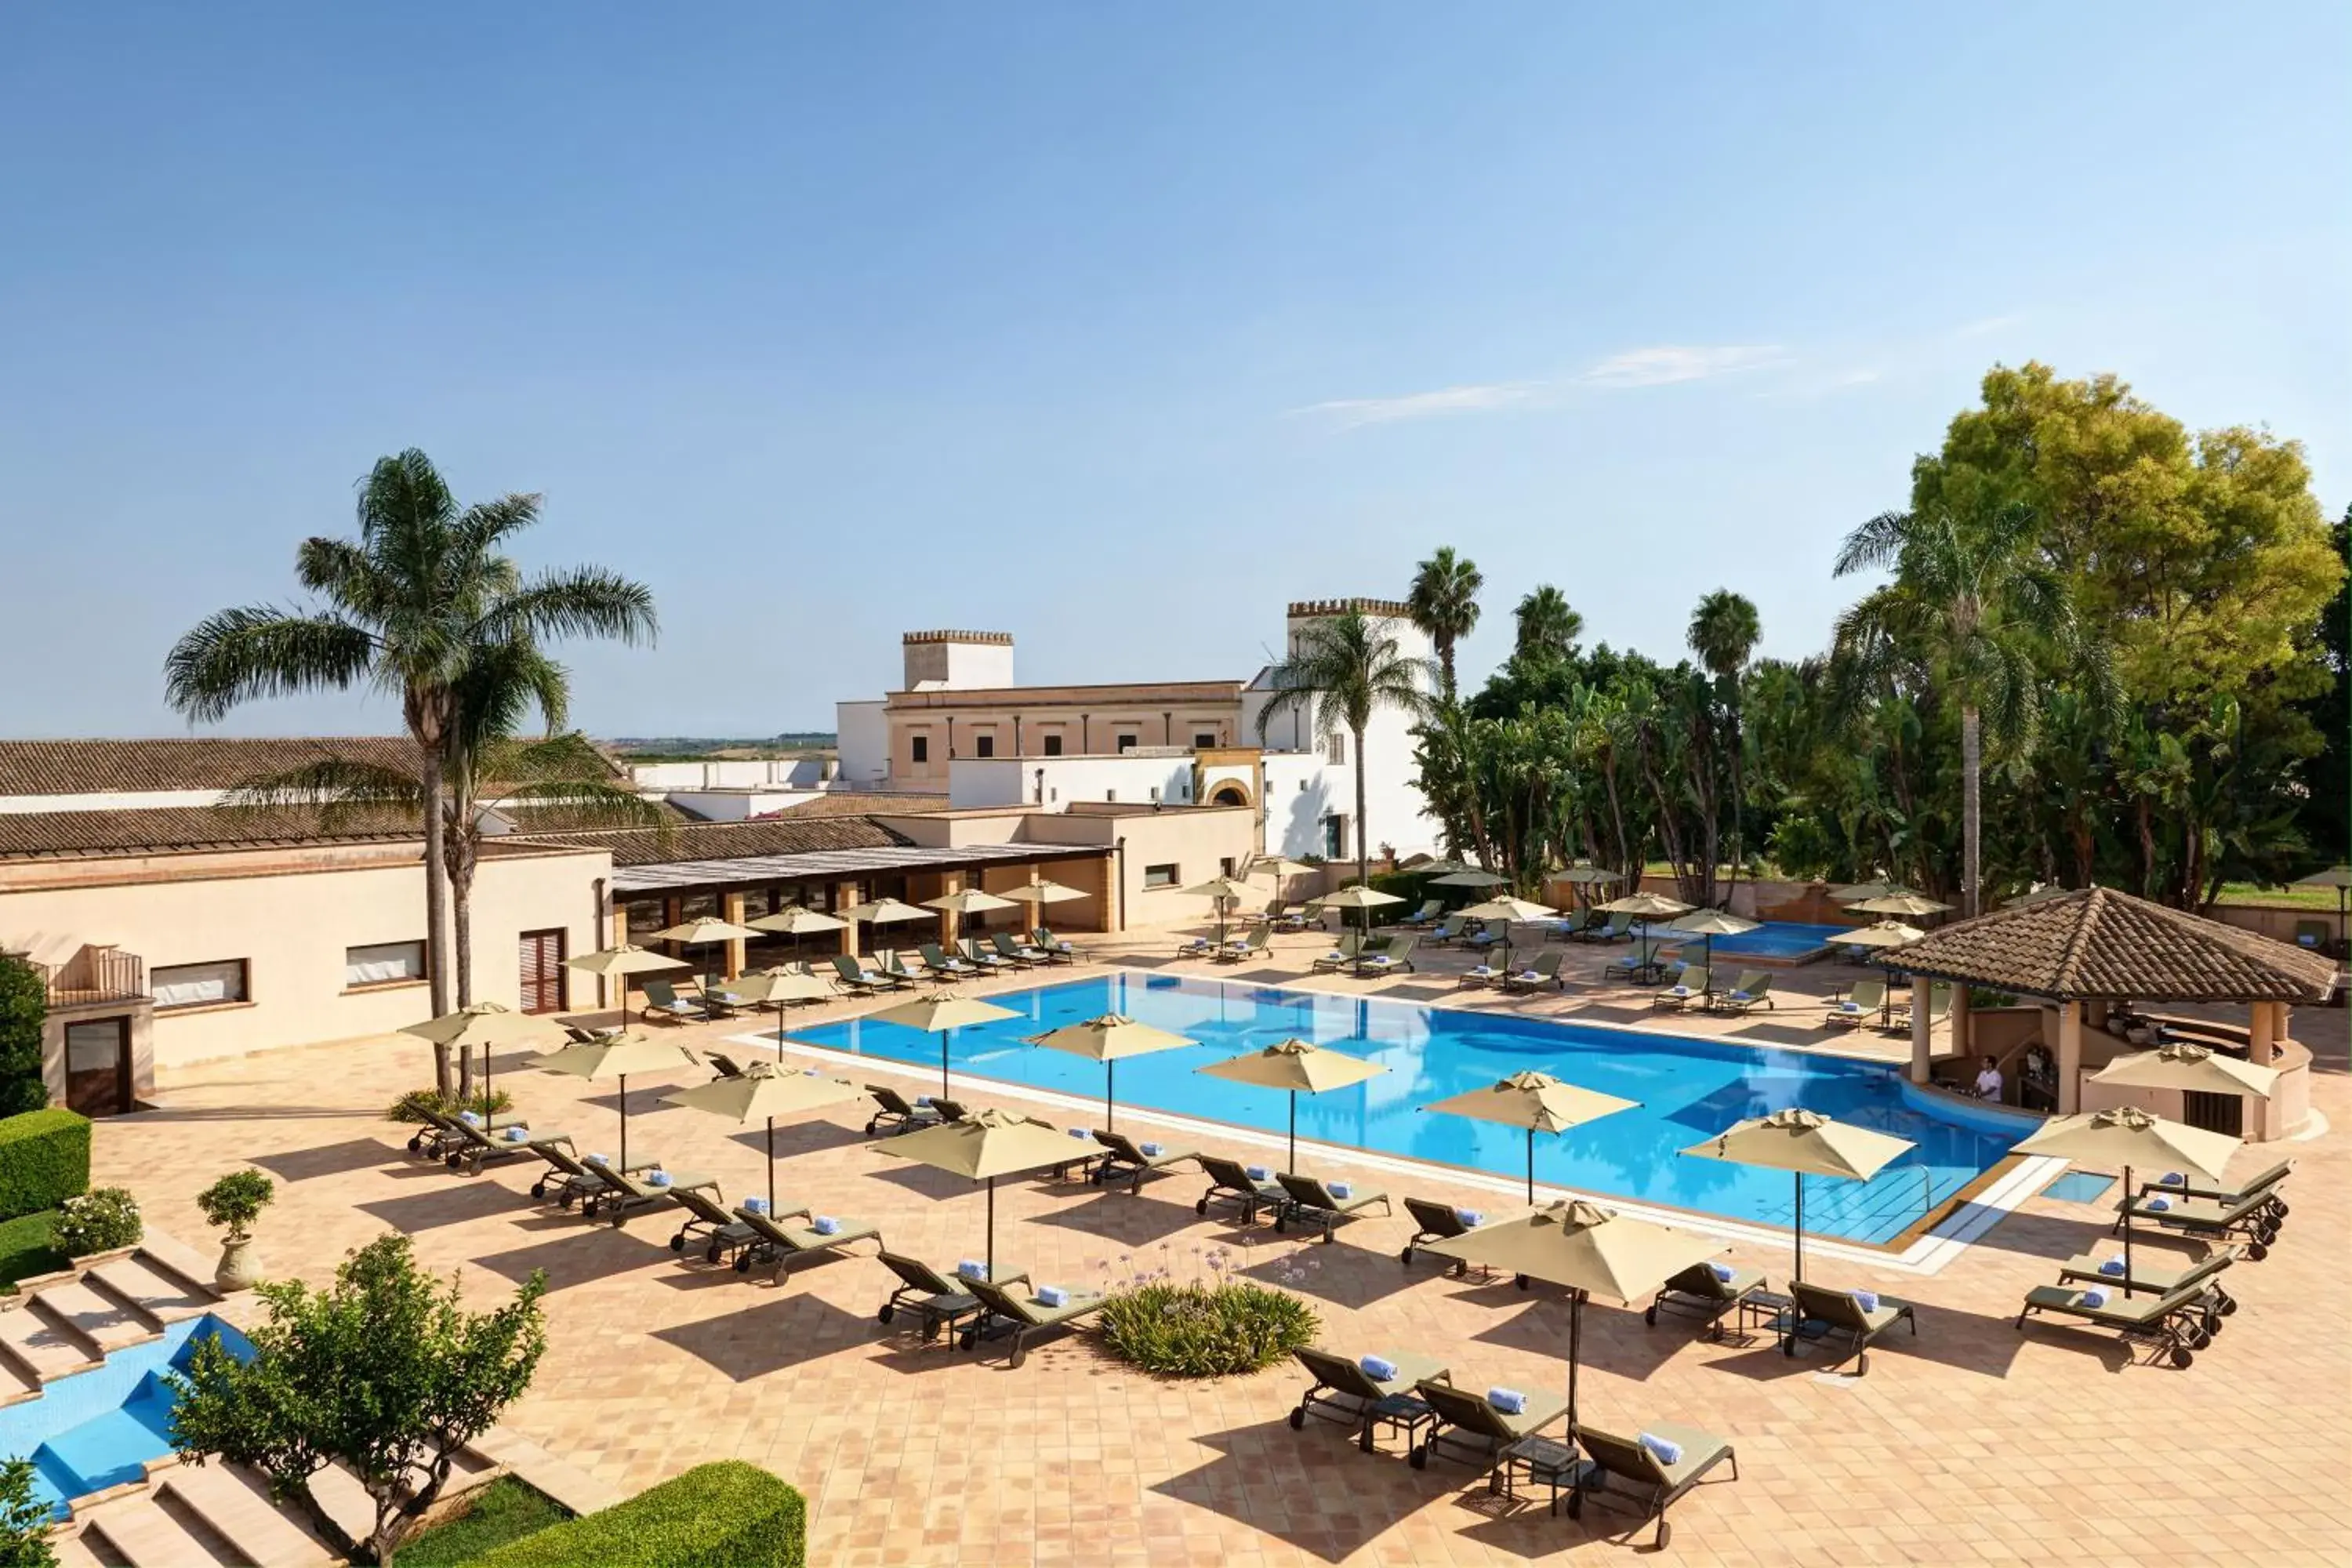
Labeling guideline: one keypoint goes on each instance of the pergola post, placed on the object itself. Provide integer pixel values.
(950, 882)
(2263, 1032)
(2070, 1057)
(844, 894)
(731, 910)
(1922, 1032)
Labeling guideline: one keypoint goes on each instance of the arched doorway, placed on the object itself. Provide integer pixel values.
(1230, 792)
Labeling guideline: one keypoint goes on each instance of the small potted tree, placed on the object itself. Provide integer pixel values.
(233, 1203)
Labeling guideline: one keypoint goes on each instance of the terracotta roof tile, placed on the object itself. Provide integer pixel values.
(97, 767)
(164, 829)
(732, 840)
(2099, 943)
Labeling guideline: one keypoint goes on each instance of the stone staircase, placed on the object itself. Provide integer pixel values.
(63, 1324)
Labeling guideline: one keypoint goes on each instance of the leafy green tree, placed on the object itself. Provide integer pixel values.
(24, 1520)
(409, 607)
(1973, 598)
(1344, 669)
(1549, 626)
(1724, 631)
(383, 1373)
(2326, 800)
(1443, 605)
(24, 1012)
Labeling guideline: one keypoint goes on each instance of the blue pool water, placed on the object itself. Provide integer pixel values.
(1687, 1089)
(98, 1428)
(1773, 939)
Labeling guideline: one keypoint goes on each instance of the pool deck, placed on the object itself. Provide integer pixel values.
(1972, 1443)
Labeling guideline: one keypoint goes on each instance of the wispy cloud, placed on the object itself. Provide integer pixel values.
(1350, 412)
(1668, 364)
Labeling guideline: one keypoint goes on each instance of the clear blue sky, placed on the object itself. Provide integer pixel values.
(1113, 327)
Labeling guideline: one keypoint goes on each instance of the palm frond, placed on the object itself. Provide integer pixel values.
(1877, 543)
(583, 601)
(236, 656)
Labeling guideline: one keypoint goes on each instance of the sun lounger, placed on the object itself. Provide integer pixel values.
(1312, 1204)
(567, 1179)
(1341, 956)
(439, 1134)
(1840, 1312)
(1199, 947)
(1700, 1293)
(1311, 916)
(937, 966)
(662, 1001)
(1689, 987)
(631, 1192)
(1544, 971)
(1656, 1484)
(781, 1244)
(721, 1234)
(1255, 945)
(1026, 1314)
(852, 977)
(1054, 947)
(1430, 912)
(1863, 1006)
(942, 1302)
(722, 1064)
(1479, 973)
(893, 968)
(2266, 1186)
(899, 1115)
(475, 1149)
(1344, 1393)
(1619, 928)
(1436, 1222)
(1569, 928)
(1394, 959)
(717, 1001)
(1940, 1005)
(1013, 953)
(1753, 991)
(1231, 1183)
(1127, 1162)
(2155, 1271)
(2250, 1218)
(1470, 1429)
(981, 959)
(2178, 1323)
(1449, 930)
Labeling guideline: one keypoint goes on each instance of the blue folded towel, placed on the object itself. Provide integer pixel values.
(1720, 1269)
(1509, 1401)
(2094, 1297)
(755, 1206)
(1151, 1151)
(1258, 1173)
(1052, 1296)
(1470, 1217)
(825, 1225)
(2113, 1266)
(1866, 1300)
(1340, 1189)
(518, 1134)
(972, 1268)
(812, 1072)
(2159, 1202)
(471, 1118)
(2173, 1178)
(1379, 1368)
(598, 1159)
(922, 1100)
(1080, 1132)
(657, 1178)
(1665, 1449)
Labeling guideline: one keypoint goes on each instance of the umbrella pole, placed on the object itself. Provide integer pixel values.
(486, 1083)
(1531, 1167)
(1110, 1078)
(1575, 1351)
(2128, 1230)
(1799, 1179)
(1293, 1165)
(991, 1228)
(771, 1165)
(625, 1121)
(943, 1060)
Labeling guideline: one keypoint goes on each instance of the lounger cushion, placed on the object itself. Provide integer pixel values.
(1700, 1449)
(1039, 1315)
(1411, 1369)
(2119, 1309)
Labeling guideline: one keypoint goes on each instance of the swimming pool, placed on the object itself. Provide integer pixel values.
(1688, 1090)
(1782, 939)
(98, 1428)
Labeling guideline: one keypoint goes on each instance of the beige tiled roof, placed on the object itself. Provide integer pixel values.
(858, 803)
(2098, 942)
(158, 830)
(732, 840)
(211, 763)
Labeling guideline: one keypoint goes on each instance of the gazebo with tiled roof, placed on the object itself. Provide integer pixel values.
(2101, 947)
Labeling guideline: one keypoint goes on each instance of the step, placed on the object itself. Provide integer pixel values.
(239, 1508)
(175, 1259)
(42, 1347)
(17, 1384)
(72, 1551)
(147, 1537)
(110, 1323)
(160, 1293)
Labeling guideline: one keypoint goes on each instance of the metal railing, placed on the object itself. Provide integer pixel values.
(105, 975)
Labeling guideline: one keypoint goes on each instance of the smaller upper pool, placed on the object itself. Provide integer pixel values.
(1781, 939)
(98, 1428)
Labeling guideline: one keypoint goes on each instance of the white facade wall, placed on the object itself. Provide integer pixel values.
(1301, 790)
(1052, 784)
(772, 772)
(862, 737)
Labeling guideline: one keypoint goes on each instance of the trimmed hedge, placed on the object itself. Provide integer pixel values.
(24, 1010)
(44, 1160)
(728, 1514)
(28, 1247)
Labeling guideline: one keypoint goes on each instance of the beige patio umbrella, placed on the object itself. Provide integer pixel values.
(620, 1057)
(2128, 1136)
(2195, 1069)
(1536, 1102)
(762, 1093)
(1882, 936)
(487, 1024)
(1587, 1250)
(1507, 909)
(1441, 867)
(1911, 905)
(1708, 924)
(985, 1145)
(1589, 877)
(967, 901)
(620, 963)
(1106, 1040)
(777, 986)
(1469, 877)
(1356, 896)
(1278, 866)
(1297, 1067)
(1877, 888)
(1224, 892)
(1647, 907)
(703, 932)
(1044, 893)
(1804, 1143)
(796, 921)
(941, 1014)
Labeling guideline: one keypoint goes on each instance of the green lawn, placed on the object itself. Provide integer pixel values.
(2322, 900)
(504, 1511)
(24, 1249)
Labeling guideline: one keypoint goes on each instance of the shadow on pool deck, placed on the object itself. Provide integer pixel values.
(1343, 1508)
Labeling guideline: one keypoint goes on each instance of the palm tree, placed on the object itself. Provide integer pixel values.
(1343, 671)
(1443, 603)
(1972, 600)
(407, 608)
(1549, 626)
(1724, 631)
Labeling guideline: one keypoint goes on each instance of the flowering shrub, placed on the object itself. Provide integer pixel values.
(1205, 1330)
(99, 1221)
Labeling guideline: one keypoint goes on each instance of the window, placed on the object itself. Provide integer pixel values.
(210, 984)
(1203, 739)
(1127, 743)
(920, 748)
(1159, 876)
(1335, 837)
(1334, 750)
(1053, 745)
(983, 745)
(1224, 865)
(383, 964)
(1302, 787)
(1110, 797)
